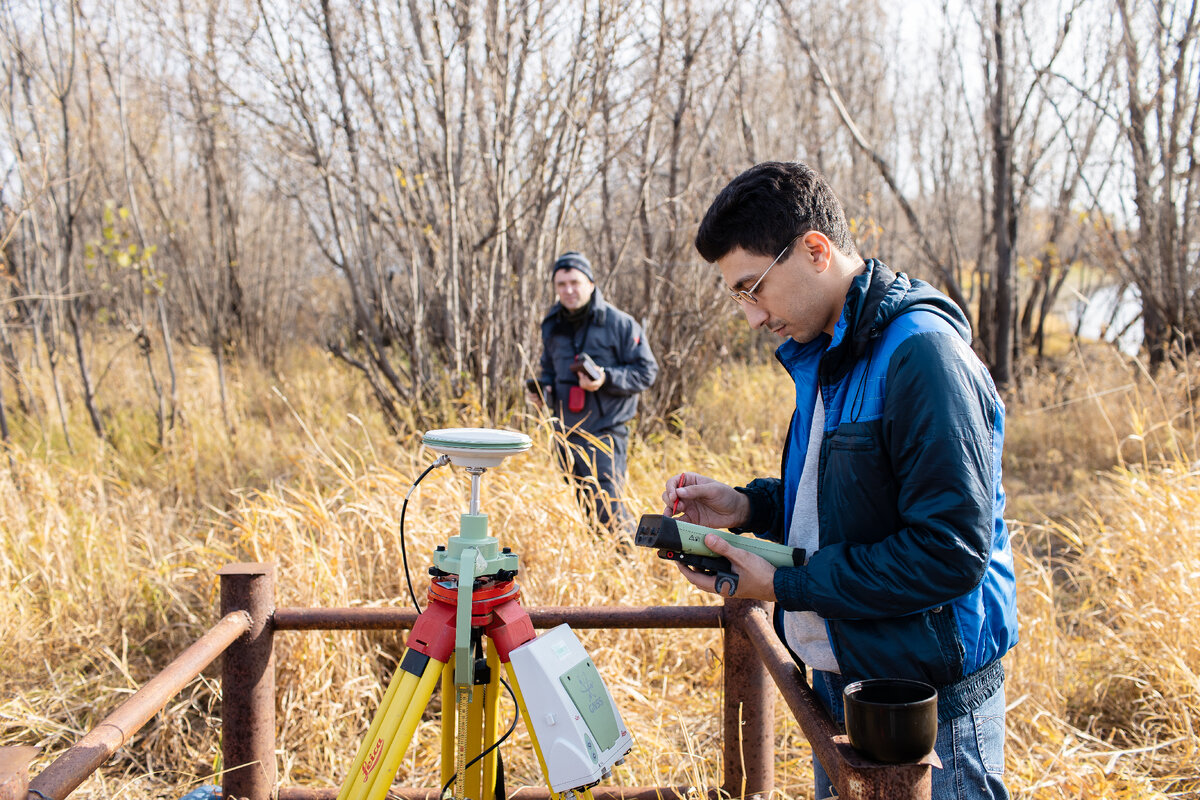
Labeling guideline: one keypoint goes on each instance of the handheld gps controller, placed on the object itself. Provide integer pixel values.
(681, 541)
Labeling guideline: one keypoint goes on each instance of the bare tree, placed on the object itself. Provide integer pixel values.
(142, 310)
(394, 178)
(1020, 138)
(446, 173)
(1017, 138)
(1067, 239)
(654, 186)
(50, 137)
(928, 248)
(1160, 122)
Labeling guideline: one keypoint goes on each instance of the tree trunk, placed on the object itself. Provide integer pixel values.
(1004, 217)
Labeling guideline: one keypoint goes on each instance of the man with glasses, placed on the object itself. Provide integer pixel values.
(595, 362)
(890, 473)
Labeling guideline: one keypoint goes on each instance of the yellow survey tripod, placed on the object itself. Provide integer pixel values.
(473, 597)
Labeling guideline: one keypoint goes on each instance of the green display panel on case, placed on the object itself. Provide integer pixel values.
(586, 690)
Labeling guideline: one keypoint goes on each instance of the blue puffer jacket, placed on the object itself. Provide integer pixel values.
(914, 573)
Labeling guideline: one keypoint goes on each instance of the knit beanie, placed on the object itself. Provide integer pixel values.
(573, 260)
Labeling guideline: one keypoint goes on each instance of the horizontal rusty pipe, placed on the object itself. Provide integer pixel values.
(524, 793)
(71, 768)
(854, 777)
(343, 619)
(542, 617)
(628, 616)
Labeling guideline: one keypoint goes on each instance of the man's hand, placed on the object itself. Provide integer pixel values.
(590, 385)
(705, 501)
(756, 575)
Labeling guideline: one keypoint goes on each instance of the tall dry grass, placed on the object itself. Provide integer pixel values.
(108, 555)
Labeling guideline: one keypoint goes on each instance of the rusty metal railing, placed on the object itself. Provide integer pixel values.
(754, 660)
(856, 777)
(70, 769)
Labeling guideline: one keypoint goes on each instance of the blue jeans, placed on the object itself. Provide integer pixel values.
(971, 747)
(598, 474)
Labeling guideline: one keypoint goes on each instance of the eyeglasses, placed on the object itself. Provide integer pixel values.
(747, 295)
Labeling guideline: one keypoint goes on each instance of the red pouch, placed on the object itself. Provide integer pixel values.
(575, 399)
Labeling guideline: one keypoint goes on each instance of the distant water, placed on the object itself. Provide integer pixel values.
(1099, 321)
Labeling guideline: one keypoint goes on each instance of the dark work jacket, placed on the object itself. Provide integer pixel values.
(914, 573)
(616, 342)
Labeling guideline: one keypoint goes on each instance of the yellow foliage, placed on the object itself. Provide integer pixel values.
(108, 558)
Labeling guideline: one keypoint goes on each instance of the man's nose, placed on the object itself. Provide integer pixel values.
(755, 315)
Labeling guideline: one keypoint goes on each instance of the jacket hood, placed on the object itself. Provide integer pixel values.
(876, 297)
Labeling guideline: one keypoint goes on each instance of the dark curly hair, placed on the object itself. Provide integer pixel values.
(768, 206)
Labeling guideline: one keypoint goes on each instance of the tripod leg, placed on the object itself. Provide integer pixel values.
(430, 670)
(480, 727)
(490, 715)
(481, 731)
(449, 722)
(382, 729)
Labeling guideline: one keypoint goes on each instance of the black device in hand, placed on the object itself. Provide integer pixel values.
(584, 365)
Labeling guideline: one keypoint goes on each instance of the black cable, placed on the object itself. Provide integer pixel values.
(494, 745)
(441, 461)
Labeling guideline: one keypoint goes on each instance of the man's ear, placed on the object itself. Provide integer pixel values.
(819, 249)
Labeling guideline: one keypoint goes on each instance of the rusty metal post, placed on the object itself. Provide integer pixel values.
(14, 772)
(248, 685)
(854, 776)
(749, 714)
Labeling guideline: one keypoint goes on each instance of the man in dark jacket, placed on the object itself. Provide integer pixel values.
(595, 362)
(890, 472)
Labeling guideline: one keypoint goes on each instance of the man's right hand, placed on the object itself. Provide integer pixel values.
(705, 501)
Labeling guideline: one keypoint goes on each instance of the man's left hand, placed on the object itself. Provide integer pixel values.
(756, 575)
(590, 385)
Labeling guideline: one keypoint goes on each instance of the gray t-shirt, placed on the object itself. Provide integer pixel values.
(805, 630)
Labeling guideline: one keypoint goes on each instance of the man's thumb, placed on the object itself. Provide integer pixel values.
(718, 545)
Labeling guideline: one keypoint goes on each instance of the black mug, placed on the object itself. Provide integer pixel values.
(890, 719)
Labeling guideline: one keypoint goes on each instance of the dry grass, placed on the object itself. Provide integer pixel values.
(108, 555)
